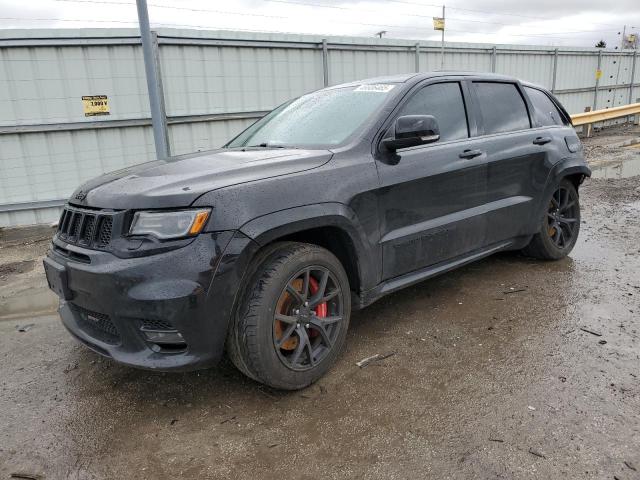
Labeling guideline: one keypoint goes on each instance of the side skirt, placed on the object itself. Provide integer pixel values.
(397, 283)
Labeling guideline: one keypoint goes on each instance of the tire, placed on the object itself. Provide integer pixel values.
(275, 338)
(559, 226)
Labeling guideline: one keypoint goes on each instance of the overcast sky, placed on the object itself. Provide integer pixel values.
(539, 22)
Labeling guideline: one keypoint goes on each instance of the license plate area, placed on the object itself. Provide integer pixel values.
(57, 278)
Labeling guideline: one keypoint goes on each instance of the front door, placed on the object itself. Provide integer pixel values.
(432, 196)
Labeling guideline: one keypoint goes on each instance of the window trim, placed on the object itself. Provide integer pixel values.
(466, 101)
(478, 111)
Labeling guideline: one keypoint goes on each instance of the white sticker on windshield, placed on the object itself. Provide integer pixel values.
(379, 87)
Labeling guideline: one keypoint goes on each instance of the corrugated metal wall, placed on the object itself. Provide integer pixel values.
(215, 84)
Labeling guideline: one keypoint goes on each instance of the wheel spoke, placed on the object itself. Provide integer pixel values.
(318, 325)
(307, 343)
(322, 286)
(303, 341)
(305, 284)
(330, 320)
(286, 318)
(567, 231)
(295, 294)
(286, 335)
(329, 295)
(568, 206)
(567, 220)
(312, 357)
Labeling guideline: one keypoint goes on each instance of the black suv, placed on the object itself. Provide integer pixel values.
(263, 247)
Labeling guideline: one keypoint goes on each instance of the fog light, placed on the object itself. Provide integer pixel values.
(163, 337)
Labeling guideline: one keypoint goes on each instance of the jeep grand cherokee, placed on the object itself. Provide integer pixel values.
(263, 247)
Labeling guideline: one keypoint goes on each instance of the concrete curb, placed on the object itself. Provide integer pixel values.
(626, 143)
(36, 301)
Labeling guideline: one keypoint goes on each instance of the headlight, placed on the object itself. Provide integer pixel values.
(170, 224)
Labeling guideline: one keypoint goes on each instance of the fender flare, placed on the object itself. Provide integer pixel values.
(562, 169)
(268, 228)
(568, 167)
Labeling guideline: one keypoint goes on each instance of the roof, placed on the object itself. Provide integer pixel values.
(416, 77)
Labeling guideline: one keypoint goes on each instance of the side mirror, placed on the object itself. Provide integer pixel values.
(413, 130)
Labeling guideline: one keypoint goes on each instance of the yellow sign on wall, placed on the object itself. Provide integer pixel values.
(438, 23)
(95, 105)
(598, 74)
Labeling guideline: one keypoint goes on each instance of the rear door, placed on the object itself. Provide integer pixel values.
(517, 151)
(432, 195)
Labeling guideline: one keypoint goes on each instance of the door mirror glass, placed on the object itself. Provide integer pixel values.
(413, 130)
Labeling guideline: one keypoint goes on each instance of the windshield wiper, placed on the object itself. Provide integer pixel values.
(266, 145)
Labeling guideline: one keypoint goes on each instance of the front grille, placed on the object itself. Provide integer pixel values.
(75, 225)
(97, 325)
(89, 229)
(156, 325)
(104, 235)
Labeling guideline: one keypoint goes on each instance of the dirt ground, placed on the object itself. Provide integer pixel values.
(508, 368)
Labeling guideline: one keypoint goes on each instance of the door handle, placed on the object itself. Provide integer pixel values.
(470, 154)
(541, 140)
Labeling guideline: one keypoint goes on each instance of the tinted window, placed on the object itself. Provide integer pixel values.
(443, 101)
(502, 107)
(544, 109)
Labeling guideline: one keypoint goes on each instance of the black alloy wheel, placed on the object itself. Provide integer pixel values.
(559, 225)
(562, 217)
(308, 317)
(292, 319)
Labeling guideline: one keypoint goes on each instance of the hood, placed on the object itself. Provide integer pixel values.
(178, 182)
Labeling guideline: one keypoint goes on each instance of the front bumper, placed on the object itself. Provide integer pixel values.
(111, 301)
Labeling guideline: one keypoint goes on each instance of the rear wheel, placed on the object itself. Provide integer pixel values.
(560, 225)
(291, 324)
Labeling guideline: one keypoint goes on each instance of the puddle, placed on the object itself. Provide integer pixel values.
(618, 169)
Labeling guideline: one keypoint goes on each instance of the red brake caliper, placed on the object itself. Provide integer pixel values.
(321, 308)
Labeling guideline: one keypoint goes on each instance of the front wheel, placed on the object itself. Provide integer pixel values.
(559, 226)
(292, 321)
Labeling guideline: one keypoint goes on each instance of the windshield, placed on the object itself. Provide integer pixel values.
(326, 117)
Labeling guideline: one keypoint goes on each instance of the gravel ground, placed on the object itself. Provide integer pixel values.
(508, 368)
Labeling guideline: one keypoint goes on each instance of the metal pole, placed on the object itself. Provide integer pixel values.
(555, 71)
(595, 93)
(325, 62)
(634, 118)
(494, 53)
(417, 58)
(442, 45)
(633, 75)
(154, 84)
